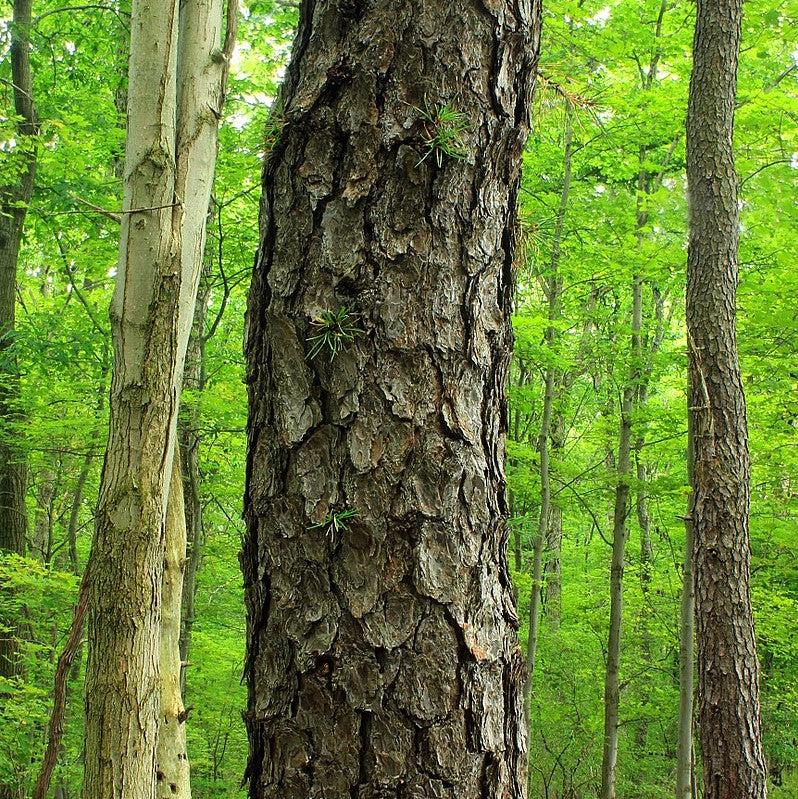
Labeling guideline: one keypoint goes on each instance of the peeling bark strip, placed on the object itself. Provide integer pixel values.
(728, 672)
(382, 651)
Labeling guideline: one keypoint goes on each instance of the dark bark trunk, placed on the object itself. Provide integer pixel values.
(620, 532)
(728, 687)
(382, 651)
(188, 431)
(14, 199)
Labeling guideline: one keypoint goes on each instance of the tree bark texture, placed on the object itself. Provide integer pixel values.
(172, 775)
(175, 90)
(684, 747)
(14, 200)
(188, 431)
(123, 668)
(728, 671)
(382, 651)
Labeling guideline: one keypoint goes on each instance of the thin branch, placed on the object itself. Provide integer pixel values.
(763, 168)
(56, 726)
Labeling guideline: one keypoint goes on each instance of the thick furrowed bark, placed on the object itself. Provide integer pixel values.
(728, 671)
(382, 654)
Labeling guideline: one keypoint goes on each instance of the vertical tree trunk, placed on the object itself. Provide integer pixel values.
(42, 537)
(382, 651)
(188, 431)
(14, 199)
(122, 673)
(612, 686)
(553, 288)
(540, 538)
(174, 104)
(684, 749)
(172, 774)
(552, 570)
(728, 686)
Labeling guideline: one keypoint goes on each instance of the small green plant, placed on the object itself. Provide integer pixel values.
(331, 331)
(335, 523)
(443, 129)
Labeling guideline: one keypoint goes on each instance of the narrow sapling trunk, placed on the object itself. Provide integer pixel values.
(728, 670)
(620, 530)
(383, 659)
(172, 773)
(553, 288)
(684, 749)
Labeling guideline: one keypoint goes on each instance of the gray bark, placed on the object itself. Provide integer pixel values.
(728, 670)
(172, 775)
(382, 651)
(174, 105)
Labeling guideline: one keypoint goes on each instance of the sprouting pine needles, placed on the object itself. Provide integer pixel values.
(335, 523)
(443, 129)
(332, 330)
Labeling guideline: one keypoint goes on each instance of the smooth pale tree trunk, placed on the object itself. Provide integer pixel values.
(122, 673)
(382, 655)
(177, 71)
(684, 748)
(620, 531)
(728, 670)
(172, 774)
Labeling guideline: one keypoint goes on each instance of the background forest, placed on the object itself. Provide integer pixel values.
(603, 216)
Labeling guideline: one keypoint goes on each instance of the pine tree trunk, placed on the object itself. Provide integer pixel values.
(382, 651)
(728, 686)
(684, 749)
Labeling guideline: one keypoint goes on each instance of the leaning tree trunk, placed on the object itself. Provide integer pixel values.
(382, 657)
(174, 105)
(122, 673)
(728, 682)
